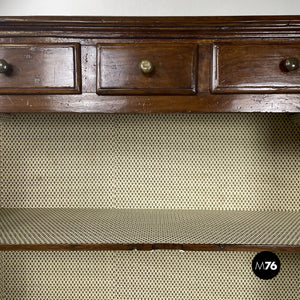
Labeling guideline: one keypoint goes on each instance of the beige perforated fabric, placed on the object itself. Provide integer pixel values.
(147, 226)
(200, 161)
(145, 275)
(1, 277)
(244, 162)
(59, 275)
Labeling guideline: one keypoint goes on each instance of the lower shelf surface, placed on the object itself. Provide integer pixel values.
(147, 229)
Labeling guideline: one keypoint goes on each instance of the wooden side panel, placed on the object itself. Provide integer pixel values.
(41, 69)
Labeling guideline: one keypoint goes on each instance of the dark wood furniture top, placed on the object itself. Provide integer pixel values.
(197, 64)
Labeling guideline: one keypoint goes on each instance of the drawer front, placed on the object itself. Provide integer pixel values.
(173, 69)
(40, 69)
(254, 68)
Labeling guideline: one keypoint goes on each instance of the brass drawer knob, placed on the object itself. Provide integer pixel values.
(291, 64)
(146, 66)
(4, 66)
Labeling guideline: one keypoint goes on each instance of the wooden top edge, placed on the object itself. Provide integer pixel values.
(149, 247)
(211, 21)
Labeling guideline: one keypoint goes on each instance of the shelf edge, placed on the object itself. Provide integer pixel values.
(149, 247)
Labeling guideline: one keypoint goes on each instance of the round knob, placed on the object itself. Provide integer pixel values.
(291, 64)
(146, 66)
(4, 66)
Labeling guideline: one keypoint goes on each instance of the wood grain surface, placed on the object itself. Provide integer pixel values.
(202, 64)
(254, 68)
(174, 69)
(41, 69)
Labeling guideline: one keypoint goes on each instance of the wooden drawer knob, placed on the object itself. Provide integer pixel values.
(146, 66)
(291, 64)
(4, 66)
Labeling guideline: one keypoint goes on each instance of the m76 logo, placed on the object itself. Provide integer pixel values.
(266, 265)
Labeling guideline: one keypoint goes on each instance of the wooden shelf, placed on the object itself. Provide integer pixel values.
(128, 229)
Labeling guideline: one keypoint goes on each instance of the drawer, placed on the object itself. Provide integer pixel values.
(254, 68)
(146, 69)
(40, 69)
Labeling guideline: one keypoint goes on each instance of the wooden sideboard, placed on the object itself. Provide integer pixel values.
(149, 65)
(197, 64)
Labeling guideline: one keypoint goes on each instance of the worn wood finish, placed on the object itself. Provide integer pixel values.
(153, 27)
(41, 69)
(149, 247)
(174, 71)
(254, 68)
(202, 102)
(188, 22)
(250, 49)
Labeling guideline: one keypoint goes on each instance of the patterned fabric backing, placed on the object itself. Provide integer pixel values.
(1, 277)
(147, 226)
(243, 162)
(145, 275)
(200, 161)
